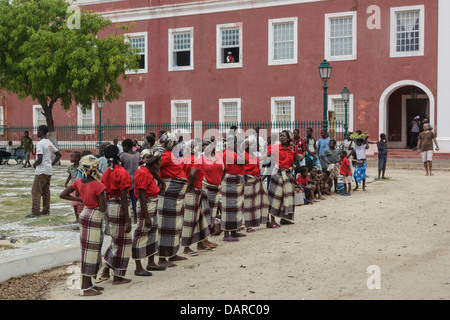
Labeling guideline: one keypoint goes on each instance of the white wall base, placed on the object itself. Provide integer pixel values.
(444, 145)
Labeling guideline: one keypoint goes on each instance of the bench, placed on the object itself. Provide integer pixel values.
(18, 156)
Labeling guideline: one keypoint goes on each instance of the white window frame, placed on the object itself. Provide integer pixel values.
(332, 98)
(128, 115)
(393, 49)
(138, 35)
(2, 121)
(80, 120)
(294, 60)
(337, 15)
(35, 117)
(238, 101)
(171, 33)
(273, 108)
(173, 104)
(219, 63)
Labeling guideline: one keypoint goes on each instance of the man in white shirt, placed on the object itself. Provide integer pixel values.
(116, 143)
(43, 174)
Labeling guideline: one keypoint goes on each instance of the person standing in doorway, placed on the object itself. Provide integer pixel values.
(43, 174)
(415, 129)
(425, 148)
(27, 144)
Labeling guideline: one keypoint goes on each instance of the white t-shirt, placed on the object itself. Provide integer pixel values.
(360, 151)
(46, 148)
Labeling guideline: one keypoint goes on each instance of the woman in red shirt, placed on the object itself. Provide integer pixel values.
(146, 191)
(214, 171)
(232, 191)
(196, 208)
(170, 202)
(93, 196)
(256, 203)
(281, 188)
(118, 183)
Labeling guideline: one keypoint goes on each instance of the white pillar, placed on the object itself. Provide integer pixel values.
(443, 92)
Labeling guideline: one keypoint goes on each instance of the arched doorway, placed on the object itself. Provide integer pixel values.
(399, 104)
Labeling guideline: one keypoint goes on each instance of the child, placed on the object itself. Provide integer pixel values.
(327, 183)
(92, 194)
(346, 173)
(317, 180)
(331, 158)
(359, 154)
(382, 155)
(322, 146)
(304, 181)
(75, 173)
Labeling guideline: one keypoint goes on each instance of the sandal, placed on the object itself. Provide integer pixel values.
(83, 292)
(32, 216)
(272, 226)
(101, 279)
(251, 230)
(191, 253)
(230, 239)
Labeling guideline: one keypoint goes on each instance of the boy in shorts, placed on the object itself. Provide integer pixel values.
(345, 173)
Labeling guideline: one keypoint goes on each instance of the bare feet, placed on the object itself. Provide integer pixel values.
(177, 258)
(165, 263)
(119, 280)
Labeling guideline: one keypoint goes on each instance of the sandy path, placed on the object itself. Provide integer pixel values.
(401, 225)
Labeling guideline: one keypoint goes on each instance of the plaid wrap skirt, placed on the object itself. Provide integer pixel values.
(118, 254)
(170, 217)
(91, 239)
(144, 239)
(281, 195)
(256, 203)
(213, 195)
(232, 202)
(195, 222)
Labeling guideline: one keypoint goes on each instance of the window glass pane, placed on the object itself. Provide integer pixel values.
(408, 31)
(230, 112)
(138, 43)
(283, 41)
(339, 109)
(283, 111)
(182, 113)
(182, 41)
(341, 36)
(40, 117)
(230, 37)
(135, 112)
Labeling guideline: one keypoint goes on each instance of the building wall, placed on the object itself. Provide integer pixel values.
(256, 82)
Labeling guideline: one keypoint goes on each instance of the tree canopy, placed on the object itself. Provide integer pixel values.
(42, 57)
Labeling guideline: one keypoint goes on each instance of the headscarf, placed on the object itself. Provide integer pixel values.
(111, 154)
(89, 167)
(290, 136)
(150, 154)
(168, 140)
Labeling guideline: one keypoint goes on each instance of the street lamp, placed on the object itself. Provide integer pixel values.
(346, 98)
(325, 74)
(100, 105)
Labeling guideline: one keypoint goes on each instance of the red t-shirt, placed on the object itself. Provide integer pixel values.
(251, 165)
(171, 166)
(302, 181)
(89, 192)
(284, 156)
(116, 180)
(213, 170)
(143, 179)
(344, 165)
(193, 165)
(233, 167)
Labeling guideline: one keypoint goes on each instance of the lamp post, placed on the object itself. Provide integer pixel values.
(325, 74)
(100, 105)
(346, 98)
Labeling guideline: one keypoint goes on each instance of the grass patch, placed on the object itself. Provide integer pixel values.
(49, 221)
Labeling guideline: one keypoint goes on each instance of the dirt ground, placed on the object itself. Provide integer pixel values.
(399, 227)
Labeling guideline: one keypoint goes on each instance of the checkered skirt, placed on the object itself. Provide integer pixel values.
(170, 217)
(232, 202)
(118, 254)
(281, 195)
(144, 239)
(91, 239)
(256, 203)
(195, 223)
(213, 195)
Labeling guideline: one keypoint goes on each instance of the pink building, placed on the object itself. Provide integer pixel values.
(392, 55)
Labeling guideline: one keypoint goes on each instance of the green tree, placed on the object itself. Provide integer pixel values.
(43, 57)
